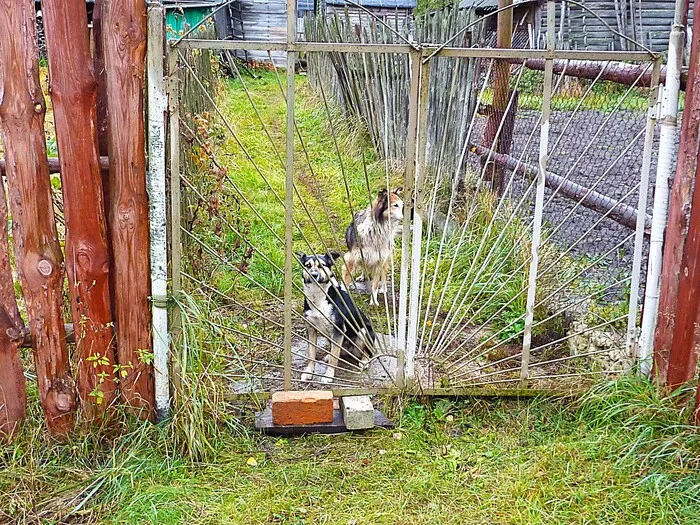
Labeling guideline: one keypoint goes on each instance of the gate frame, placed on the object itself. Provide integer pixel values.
(419, 60)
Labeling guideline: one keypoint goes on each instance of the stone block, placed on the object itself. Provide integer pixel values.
(358, 412)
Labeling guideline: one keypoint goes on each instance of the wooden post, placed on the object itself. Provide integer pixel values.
(73, 93)
(501, 91)
(677, 224)
(13, 395)
(683, 359)
(37, 251)
(124, 44)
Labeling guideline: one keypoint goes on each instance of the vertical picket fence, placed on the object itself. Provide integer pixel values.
(104, 254)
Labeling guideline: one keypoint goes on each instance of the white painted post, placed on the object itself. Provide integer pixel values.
(632, 334)
(416, 245)
(157, 110)
(409, 183)
(289, 195)
(539, 198)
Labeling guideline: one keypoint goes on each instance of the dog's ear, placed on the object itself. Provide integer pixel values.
(398, 190)
(333, 256)
(380, 205)
(300, 256)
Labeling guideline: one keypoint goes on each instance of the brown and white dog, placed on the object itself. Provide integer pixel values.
(370, 240)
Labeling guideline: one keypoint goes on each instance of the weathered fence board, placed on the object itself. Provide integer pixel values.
(124, 44)
(13, 395)
(37, 251)
(73, 92)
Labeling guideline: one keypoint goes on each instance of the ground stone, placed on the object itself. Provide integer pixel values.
(358, 412)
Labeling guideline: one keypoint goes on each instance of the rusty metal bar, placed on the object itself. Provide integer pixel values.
(470, 52)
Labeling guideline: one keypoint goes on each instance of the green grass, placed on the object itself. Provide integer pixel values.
(621, 455)
(322, 186)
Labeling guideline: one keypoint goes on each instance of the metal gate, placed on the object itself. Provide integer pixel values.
(515, 267)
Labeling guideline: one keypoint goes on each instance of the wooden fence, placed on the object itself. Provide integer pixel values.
(374, 87)
(105, 253)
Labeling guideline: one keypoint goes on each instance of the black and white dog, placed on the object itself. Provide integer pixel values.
(329, 312)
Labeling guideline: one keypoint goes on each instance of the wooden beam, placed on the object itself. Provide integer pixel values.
(619, 72)
(124, 44)
(37, 250)
(73, 93)
(55, 164)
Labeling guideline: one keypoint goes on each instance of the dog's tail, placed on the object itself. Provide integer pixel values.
(351, 236)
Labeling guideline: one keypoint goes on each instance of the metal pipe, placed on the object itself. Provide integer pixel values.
(667, 141)
(632, 340)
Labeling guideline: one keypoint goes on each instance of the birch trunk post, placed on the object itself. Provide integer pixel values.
(124, 44)
(13, 394)
(37, 251)
(73, 93)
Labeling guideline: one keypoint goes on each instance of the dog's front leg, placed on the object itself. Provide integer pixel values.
(312, 336)
(333, 360)
(375, 288)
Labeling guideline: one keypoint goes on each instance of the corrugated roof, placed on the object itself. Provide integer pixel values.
(387, 4)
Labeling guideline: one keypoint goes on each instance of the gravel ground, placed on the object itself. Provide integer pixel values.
(597, 139)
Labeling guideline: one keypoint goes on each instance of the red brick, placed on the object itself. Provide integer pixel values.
(306, 407)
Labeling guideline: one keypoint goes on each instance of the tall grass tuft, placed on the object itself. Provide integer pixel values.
(648, 428)
(199, 410)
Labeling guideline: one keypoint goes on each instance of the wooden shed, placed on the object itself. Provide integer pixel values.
(590, 28)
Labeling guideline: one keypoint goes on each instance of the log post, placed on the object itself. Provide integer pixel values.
(124, 45)
(500, 142)
(73, 93)
(37, 251)
(13, 394)
(677, 224)
(683, 358)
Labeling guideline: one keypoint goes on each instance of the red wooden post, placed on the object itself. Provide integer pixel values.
(501, 92)
(73, 92)
(37, 251)
(124, 44)
(13, 395)
(683, 359)
(696, 414)
(677, 225)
